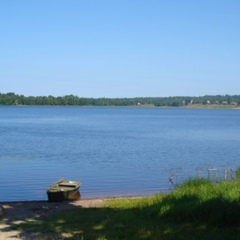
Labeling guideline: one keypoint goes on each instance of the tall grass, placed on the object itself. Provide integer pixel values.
(203, 201)
(196, 200)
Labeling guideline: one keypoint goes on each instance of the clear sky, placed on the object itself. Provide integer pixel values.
(120, 48)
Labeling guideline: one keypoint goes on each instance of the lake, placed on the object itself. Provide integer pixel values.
(113, 151)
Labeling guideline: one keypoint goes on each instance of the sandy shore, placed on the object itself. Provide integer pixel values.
(16, 212)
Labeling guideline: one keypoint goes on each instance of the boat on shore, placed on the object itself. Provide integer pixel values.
(63, 190)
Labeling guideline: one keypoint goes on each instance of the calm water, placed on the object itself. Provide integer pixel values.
(112, 151)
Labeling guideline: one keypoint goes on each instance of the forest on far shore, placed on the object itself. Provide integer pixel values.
(8, 99)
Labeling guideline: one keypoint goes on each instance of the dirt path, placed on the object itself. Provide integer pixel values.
(16, 212)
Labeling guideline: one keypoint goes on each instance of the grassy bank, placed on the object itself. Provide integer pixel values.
(198, 209)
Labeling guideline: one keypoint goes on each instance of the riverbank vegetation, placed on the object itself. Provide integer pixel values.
(217, 101)
(198, 209)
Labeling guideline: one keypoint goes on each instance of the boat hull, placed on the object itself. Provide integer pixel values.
(63, 190)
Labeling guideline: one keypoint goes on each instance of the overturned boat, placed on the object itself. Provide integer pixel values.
(63, 190)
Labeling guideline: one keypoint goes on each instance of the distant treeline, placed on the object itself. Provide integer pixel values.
(71, 100)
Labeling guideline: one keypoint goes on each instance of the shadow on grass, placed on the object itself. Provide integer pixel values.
(17, 213)
(216, 212)
(173, 217)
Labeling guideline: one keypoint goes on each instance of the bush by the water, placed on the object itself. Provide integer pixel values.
(237, 173)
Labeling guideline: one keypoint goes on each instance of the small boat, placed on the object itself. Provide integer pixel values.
(63, 190)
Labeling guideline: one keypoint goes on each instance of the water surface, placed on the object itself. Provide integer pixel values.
(113, 151)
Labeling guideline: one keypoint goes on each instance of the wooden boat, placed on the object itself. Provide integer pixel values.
(63, 190)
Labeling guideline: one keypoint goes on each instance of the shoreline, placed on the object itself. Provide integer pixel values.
(189, 106)
(39, 208)
(17, 212)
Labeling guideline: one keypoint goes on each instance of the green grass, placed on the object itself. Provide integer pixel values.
(198, 209)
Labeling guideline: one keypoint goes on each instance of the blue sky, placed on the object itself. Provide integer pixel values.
(120, 48)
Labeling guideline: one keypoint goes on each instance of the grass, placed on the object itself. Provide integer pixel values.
(198, 209)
